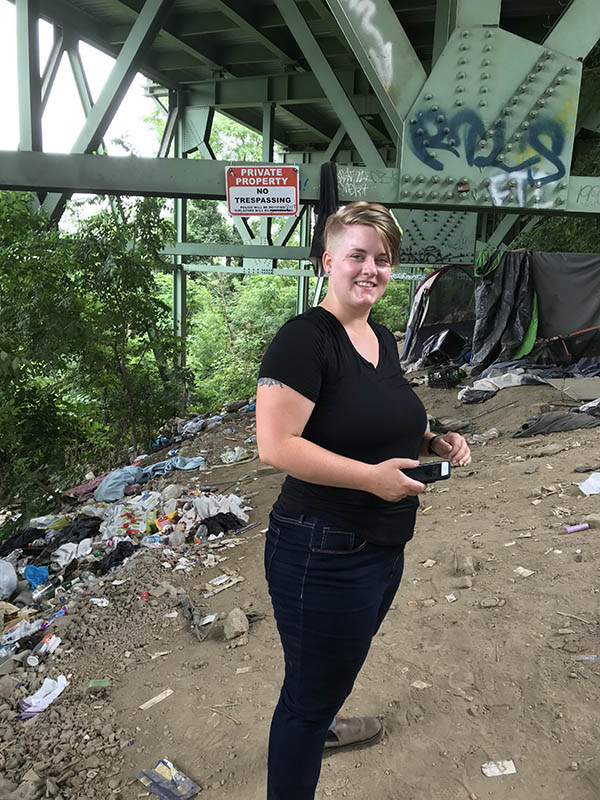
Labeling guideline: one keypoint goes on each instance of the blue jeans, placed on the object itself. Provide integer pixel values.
(330, 590)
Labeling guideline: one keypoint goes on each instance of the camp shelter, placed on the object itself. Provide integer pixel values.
(444, 299)
(545, 306)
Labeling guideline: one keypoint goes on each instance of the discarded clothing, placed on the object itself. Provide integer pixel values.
(82, 527)
(85, 490)
(122, 551)
(221, 523)
(556, 421)
(35, 576)
(113, 486)
(487, 387)
(21, 540)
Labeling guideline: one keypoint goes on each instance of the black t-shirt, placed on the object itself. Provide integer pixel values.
(362, 412)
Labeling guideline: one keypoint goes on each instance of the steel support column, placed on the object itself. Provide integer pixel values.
(303, 280)
(179, 276)
(173, 118)
(267, 157)
(577, 31)
(328, 80)
(385, 53)
(28, 76)
(52, 66)
(141, 36)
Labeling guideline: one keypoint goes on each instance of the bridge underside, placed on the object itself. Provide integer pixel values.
(464, 116)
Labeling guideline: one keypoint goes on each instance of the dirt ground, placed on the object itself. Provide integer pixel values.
(501, 663)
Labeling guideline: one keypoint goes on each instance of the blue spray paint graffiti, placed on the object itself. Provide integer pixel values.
(435, 130)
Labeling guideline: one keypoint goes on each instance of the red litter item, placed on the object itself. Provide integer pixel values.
(145, 596)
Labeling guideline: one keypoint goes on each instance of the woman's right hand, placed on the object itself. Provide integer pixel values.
(389, 482)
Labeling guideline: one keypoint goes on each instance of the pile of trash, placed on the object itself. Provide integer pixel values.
(55, 553)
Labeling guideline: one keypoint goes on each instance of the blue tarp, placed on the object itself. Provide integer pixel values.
(113, 486)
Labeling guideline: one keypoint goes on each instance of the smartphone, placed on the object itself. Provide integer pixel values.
(429, 472)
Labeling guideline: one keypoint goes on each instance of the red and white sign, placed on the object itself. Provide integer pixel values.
(270, 191)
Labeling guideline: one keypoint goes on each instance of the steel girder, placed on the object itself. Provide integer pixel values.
(577, 31)
(328, 80)
(142, 34)
(31, 171)
(384, 52)
(28, 75)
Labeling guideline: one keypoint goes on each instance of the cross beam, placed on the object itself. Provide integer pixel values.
(111, 175)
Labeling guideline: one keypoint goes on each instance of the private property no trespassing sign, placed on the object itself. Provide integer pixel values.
(270, 191)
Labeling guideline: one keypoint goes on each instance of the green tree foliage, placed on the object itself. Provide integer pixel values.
(85, 341)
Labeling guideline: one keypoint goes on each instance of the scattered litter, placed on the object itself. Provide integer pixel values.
(36, 703)
(591, 485)
(420, 685)
(98, 686)
(429, 563)
(493, 769)
(154, 700)
(451, 598)
(485, 437)
(509, 544)
(243, 670)
(586, 657)
(234, 454)
(172, 615)
(101, 602)
(524, 573)
(222, 582)
(167, 782)
(583, 526)
(492, 602)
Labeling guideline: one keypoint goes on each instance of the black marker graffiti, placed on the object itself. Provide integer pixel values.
(435, 130)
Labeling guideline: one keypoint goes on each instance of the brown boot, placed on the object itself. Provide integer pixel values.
(352, 734)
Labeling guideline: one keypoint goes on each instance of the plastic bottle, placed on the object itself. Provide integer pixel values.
(7, 652)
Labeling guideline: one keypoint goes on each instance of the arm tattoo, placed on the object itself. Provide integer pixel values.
(269, 382)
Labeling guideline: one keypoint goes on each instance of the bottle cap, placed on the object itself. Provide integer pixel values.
(33, 661)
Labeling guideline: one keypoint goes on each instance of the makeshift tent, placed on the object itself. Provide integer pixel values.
(444, 299)
(508, 301)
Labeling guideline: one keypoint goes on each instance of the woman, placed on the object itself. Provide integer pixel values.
(335, 413)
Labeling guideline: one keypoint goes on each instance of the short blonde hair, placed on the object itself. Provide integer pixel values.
(373, 215)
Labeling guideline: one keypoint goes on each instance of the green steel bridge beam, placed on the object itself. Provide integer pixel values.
(203, 250)
(195, 178)
(173, 117)
(578, 29)
(384, 52)
(52, 66)
(280, 45)
(196, 56)
(179, 276)
(28, 76)
(143, 33)
(331, 86)
(88, 29)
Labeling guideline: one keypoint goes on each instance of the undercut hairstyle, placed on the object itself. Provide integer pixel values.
(373, 215)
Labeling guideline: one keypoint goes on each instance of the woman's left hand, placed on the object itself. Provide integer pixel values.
(454, 448)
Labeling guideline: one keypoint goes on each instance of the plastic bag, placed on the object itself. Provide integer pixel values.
(8, 579)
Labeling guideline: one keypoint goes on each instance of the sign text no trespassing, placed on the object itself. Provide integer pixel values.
(262, 191)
